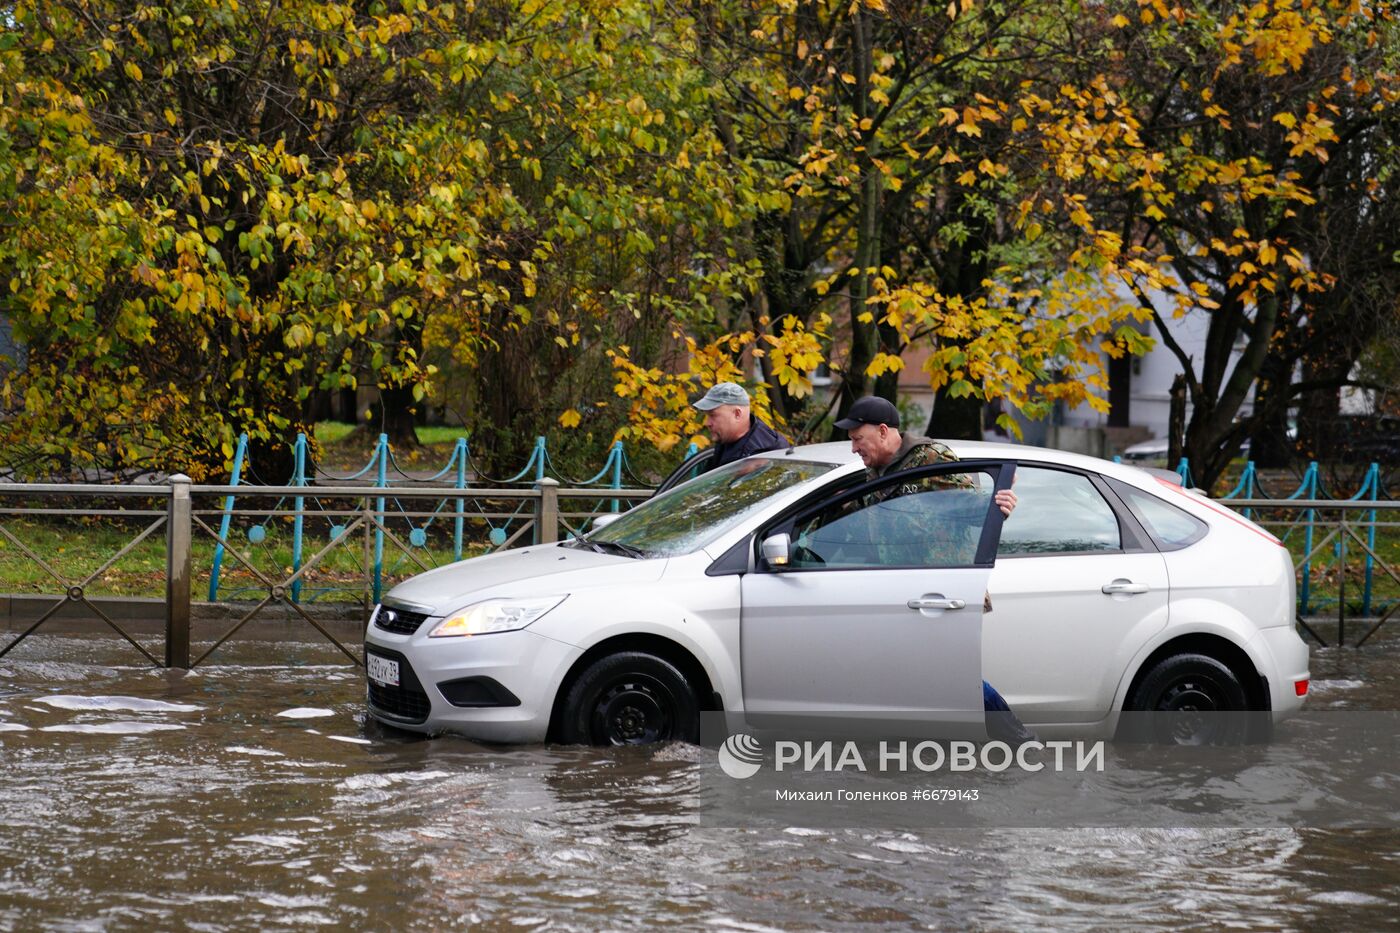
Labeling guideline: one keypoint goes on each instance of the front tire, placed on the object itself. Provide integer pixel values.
(630, 698)
(1188, 699)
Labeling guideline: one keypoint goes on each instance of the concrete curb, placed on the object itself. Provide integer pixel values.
(18, 610)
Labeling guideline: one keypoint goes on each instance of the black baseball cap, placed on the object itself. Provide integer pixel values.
(870, 410)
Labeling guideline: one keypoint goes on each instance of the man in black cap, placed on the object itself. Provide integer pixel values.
(733, 428)
(872, 424)
(873, 427)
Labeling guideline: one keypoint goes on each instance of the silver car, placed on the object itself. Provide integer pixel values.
(787, 583)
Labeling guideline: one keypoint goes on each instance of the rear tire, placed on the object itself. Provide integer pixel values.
(630, 698)
(1193, 699)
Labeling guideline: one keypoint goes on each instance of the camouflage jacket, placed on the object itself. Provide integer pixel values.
(916, 451)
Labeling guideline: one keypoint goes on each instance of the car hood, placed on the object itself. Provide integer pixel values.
(531, 571)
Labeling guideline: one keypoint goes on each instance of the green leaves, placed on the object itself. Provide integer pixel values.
(258, 201)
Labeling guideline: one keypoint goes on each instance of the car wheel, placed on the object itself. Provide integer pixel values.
(1192, 699)
(630, 698)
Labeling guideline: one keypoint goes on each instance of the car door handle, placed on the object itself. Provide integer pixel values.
(1124, 586)
(935, 601)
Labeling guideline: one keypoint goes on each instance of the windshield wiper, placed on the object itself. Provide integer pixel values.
(617, 547)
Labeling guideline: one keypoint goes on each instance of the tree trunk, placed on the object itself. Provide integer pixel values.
(956, 419)
(1269, 444)
(271, 462)
(1120, 391)
(1317, 411)
(349, 405)
(1176, 422)
(864, 334)
(398, 412)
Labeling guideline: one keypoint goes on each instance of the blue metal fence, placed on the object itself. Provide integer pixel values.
(1310, 489)
(540, 465)
(382, 462)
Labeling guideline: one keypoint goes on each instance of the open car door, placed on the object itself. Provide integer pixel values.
(869, 602)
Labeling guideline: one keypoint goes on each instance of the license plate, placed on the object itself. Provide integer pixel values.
(382, 670)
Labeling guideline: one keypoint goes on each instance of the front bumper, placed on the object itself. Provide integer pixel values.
(503, 684)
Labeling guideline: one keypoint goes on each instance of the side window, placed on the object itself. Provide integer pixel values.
(1058, 513)
(1172, 528)
(932, 521)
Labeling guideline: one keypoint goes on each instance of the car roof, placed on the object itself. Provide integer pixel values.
(839, 452)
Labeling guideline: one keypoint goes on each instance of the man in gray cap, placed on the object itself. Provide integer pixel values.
(733, 428)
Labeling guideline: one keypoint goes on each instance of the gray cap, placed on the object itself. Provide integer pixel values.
(723, 393)
(870, 410)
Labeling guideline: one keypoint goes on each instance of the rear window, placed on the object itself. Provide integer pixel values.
(1171, 527)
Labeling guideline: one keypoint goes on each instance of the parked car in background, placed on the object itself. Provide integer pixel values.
(1153, 450)
(1361, 439)
(787, 583)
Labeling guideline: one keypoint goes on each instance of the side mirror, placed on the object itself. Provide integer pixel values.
(602, 521)
(776, 550)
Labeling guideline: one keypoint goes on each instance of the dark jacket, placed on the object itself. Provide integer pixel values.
(759, 439)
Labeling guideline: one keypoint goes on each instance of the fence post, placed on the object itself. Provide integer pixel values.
(298, 479)
(177, 573)
(1308, 491)
(615, 457)
(539, 456)
(381, 481)
(368, 555)
(1183, 469)
(460, 455)
(1342, 581)
(547, 516)
(224, 522)
(1373, 480)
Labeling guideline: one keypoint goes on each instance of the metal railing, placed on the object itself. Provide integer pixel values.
(1341, 534)
(360, 518)
(383, 471)
(358, 511)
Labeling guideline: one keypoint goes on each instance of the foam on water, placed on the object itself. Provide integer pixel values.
(377, 781)
(116, 704)
(260, 752)
(13, 727)
(904, 846)
(305, 712)
(120, 727)
(276, 842)
(1346, 897)
(353, 740)
(728, 923)
(573, 855)
(292, 901)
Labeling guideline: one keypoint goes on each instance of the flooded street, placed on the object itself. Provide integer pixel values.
(252, 794)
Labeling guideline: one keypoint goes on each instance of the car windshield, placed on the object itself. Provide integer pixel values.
(692, 515)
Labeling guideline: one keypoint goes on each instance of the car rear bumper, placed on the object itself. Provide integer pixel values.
(1285, 664)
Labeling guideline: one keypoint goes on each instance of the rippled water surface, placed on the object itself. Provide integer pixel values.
(252, 794)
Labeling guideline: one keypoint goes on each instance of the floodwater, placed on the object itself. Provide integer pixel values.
(252, 794)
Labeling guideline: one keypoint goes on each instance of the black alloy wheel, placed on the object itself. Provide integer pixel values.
(630, 698)
(1188, 699)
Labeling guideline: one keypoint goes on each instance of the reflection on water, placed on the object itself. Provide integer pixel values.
(250, 794)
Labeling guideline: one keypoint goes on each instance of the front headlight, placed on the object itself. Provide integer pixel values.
(495, 615)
